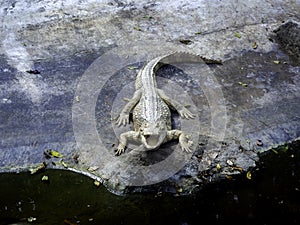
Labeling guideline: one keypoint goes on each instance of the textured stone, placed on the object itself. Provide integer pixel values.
(47, 46)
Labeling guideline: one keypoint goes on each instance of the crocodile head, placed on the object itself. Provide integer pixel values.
(153, 134)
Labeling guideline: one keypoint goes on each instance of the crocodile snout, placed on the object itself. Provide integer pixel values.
(152, 141)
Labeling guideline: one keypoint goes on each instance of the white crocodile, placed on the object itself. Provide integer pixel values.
(150, 107)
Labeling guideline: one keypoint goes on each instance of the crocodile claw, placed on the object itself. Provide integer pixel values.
(185, 146)
(185, 113)
(122, 120)
(120, 150)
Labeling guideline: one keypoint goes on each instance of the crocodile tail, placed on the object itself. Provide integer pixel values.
(138, 80)
(187, 57)
(184, 57)
(175, 57)
(148, 73)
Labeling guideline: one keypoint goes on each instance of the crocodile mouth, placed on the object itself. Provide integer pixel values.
(151, 141)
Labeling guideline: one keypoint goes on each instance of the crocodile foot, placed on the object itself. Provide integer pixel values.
(120, 150)
(123, 119)
(186, 145)
(185, 113)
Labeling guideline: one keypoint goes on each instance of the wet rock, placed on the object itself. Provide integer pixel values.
(288, 38)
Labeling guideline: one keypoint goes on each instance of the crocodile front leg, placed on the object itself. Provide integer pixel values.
(123, 118)
(184, 142)
(181, 109)
(124, 137)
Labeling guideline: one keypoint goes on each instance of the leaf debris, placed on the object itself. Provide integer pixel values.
(254, 46)
(38, 168)
(45, 178)
(248, 175)
(243, 84)
(137, 28)
(237, 35)
(52, 153)
(31, 219)
(97, 183)
(147, 17)
(93, 168)
(132, 67)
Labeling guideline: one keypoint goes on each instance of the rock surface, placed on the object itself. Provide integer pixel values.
(245, 106)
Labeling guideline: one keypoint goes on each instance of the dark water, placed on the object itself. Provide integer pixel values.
(272, 197)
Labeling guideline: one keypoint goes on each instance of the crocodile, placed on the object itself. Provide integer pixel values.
(150, 108)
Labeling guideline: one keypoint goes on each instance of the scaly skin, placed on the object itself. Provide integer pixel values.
(150, 106)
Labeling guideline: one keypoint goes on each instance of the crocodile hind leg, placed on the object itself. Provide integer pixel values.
(124, 137)
(181, 109)
(184, 141)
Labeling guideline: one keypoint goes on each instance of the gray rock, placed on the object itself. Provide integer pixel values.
(288, 38)
(245, 107)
